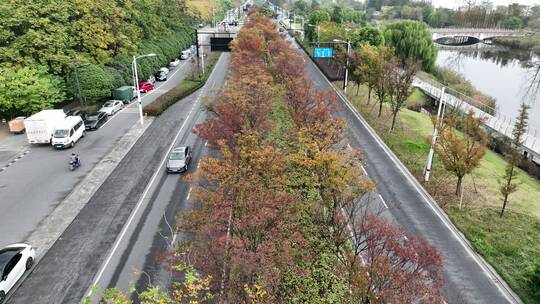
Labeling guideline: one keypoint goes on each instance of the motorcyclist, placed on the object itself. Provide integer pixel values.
(75, 158)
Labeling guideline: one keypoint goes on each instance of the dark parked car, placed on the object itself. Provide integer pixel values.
(77, 112)
(179, 159)
(95, 120)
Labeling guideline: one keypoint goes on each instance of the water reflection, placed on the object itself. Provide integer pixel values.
(510, 76)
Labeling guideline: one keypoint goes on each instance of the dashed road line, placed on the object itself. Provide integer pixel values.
(382, 200)
(14, 160)
(189, 194)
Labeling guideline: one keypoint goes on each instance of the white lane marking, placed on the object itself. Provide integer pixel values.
(382, 200)
(351, 233)
(189, 194)
(139, 203)
(206, 144)
(111, 118)
(422, 192)
(364, 169)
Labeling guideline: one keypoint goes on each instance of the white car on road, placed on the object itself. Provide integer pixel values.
(14, 261)
(174, 63)
(111, 107)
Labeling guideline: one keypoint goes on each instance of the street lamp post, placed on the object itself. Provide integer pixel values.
(346, 82)
(135, 72)
(440, 116)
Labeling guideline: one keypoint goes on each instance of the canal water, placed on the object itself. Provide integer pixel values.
(509, 76)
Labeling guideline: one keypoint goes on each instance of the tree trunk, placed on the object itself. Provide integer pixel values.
(380, 108)
(504, 204)
(394, 116)
(357, 88)
(369, 95)
(459, 185)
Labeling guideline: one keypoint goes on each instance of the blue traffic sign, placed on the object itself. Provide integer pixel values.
(322, 52)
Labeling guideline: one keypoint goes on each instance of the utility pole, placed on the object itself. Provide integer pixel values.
(213, 17)
(346, 84)
(78, 85)
(136, 84)
(440, 116)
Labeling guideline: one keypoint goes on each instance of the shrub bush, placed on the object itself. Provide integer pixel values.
(184, 89)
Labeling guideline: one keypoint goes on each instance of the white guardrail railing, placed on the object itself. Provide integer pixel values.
(499, 122)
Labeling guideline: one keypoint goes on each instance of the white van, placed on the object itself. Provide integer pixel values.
(68, 132)
(185, 54)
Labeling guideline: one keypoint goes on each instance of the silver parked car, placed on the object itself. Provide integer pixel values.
(179, 159)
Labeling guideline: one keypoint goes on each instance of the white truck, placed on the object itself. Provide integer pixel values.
(40, 126)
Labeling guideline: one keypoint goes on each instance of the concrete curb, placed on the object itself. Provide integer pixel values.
(56, 223)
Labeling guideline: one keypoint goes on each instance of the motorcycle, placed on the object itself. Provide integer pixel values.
(74, 164)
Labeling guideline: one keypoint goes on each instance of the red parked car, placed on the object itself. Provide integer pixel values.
(145, 86)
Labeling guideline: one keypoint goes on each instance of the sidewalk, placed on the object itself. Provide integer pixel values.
(12, 147)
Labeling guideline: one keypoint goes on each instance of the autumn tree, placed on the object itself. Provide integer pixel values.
(366, 68)
(461, 153)
(394, 267)
(399, 83)
(514, 157)
(381, 62)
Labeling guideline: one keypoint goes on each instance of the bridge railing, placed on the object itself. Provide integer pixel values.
(473, 30)
(499, 122)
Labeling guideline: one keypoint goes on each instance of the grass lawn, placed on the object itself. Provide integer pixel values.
(282, 121)
(510, 244)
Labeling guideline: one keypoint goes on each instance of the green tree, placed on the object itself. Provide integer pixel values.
(508, 186)
(412, 39)
(400, 82)
(319, 16)
(96, 82)
(513, 23)
(337, 14)
(26, 90)
(368, 34)
(315, 18)
(461, 153)
(300, 7)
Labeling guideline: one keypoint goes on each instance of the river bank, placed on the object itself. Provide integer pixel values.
(527, 43)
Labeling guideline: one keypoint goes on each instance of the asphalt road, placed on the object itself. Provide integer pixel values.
(167, 197)
(70, 266)
(467, 278)
(32, 187)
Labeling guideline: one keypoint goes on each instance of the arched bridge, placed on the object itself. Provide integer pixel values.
(468, 36)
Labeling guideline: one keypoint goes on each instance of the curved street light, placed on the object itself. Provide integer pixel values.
(136, 80)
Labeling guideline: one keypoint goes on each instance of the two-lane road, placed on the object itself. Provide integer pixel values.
(31, 188)
(116, 230)
(468, 278)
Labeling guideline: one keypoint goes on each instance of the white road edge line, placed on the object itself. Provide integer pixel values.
(382, 200)
(139, 203)
(467, 248)
(364, 169)
(189, 194)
